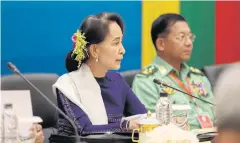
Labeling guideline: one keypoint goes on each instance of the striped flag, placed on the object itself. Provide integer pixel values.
(215, 23)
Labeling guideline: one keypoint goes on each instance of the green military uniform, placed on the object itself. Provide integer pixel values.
(149, 92)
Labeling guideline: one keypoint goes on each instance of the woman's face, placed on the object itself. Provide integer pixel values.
(110, 52)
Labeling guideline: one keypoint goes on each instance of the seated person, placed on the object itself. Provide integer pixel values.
(95, 99)
(227, 93)
(173, 41)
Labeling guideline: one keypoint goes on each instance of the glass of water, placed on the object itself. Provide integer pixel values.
(27, 130)
(180, 116)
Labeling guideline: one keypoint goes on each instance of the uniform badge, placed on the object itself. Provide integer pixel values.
(195, 70)
(162, 69)
(205, 121)
(168, 90)
(199, 88)
(149, 70)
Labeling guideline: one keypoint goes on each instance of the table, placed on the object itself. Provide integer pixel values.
(108, 138)
(104, 138)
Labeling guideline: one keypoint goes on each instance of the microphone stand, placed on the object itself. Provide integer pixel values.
(14, 69)
(163, 84)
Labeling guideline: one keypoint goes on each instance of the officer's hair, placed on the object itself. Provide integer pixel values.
(95, 29)
(227, 98)
(160, 27)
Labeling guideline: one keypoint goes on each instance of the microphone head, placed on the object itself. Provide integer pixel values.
(10, 66)
(156, 81)
(13, 68)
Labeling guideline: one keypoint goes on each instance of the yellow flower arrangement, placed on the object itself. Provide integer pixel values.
(80, 48)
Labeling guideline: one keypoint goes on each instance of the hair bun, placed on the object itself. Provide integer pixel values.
(70, 63)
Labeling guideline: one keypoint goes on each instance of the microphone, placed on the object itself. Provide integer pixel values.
(14, 69)
(164, 84)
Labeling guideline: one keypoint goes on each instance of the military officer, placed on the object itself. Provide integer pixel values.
(173, 41)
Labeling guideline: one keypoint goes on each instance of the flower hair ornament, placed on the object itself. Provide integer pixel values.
(79, 46)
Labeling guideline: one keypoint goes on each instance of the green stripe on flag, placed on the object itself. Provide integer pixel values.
(201, 18)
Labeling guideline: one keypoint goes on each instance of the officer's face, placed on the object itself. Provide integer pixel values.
(179, 42)
(110, 52)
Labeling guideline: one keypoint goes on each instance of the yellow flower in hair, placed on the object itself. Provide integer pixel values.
(79, 45)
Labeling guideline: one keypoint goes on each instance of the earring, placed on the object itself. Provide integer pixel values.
(97, 59)
(79, 64)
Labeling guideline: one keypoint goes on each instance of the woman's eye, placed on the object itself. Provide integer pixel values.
(116, 43)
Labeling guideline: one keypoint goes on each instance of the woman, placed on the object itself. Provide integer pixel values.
(95, 99)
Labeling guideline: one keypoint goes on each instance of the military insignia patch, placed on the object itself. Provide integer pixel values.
(149, 70)
(168, 90)
(199, 88)
(162, 69)
(195, 70)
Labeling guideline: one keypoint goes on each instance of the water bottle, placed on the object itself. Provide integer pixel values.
(163, 109)
(1, 128)
(10, 124)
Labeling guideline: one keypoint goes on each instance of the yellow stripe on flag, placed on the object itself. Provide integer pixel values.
(150, 11)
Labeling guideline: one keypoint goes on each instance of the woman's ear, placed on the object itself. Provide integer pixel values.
(160, 44)
(94, 51)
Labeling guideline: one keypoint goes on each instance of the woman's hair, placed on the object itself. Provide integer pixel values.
(95, 29)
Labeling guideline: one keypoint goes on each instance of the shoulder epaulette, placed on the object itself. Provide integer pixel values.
(150, 70)
(196, 71)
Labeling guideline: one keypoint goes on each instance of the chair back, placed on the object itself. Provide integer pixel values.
(129, 76)
(44, 82)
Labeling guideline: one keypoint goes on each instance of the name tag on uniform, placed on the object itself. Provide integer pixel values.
(204, 121)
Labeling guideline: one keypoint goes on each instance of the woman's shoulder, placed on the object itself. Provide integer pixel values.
(63, 78)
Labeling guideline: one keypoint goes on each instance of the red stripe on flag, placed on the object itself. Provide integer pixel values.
(227, 32)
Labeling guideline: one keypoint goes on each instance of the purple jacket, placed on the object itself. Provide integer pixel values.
(119, 101)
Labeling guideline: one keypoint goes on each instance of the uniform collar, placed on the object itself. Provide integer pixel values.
(166, 68)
